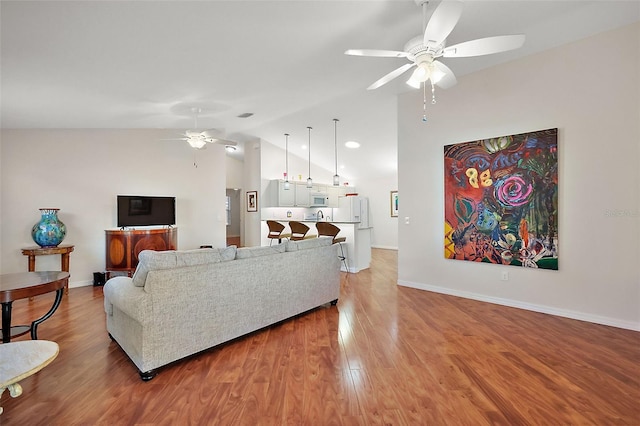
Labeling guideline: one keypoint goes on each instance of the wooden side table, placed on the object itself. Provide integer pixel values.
(63, 250)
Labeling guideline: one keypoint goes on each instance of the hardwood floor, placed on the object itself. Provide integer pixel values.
(385, 355)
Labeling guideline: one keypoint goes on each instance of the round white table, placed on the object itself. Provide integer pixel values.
(22, 359)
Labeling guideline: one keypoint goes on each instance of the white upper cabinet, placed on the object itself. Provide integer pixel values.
(298, 195)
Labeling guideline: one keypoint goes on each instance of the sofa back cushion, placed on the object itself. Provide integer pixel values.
(150, 260)
(308, 243)
(247, 252)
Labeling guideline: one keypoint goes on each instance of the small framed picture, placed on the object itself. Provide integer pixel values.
(394, 203)
(252, 201)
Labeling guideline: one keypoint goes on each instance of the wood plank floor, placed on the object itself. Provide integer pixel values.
(385, 355)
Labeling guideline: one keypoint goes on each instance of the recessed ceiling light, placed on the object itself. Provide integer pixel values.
(245, 115)
(352, 144)
(230, 148)
(303, 147)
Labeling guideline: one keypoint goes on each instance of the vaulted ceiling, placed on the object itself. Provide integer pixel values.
(145, 64)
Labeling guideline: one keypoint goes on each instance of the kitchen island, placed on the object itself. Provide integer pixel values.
(357, 246)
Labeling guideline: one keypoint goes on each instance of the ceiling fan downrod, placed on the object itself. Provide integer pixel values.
(423, 4)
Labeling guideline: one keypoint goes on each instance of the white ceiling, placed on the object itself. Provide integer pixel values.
(143, 64)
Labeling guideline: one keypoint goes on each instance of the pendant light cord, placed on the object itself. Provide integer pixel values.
(286, 156)
(309, 175)
(335, 126)
(336, 177)
(309, 180)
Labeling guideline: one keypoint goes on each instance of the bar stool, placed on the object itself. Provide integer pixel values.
(326, 229)
(298, 230)
(275, 231)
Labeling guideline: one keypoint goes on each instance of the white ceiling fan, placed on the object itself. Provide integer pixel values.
(424, 50)
(200, 138)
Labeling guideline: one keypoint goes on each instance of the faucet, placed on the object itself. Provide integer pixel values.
(319, 215)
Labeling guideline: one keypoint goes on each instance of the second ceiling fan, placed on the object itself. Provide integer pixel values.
(424, 50)
(200, 138)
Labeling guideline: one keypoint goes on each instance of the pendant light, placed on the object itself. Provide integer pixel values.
(336, 177)
(309, 180)
(286, 161)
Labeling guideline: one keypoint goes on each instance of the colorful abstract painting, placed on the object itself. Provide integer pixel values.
(501, 200)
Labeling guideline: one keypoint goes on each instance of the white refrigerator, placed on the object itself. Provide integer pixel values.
(353, 209)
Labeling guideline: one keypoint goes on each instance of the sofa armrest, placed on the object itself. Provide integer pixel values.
(132, 300)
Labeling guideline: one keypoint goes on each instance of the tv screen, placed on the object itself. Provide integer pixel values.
(134, 210)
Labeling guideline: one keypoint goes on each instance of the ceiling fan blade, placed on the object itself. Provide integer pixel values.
(484, 46)
(442, 22)
(212, 133)
(376, 53)
(224, 142)
(449, 79)
(393, 74)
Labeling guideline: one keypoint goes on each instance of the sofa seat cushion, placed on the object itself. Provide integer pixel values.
(150, 260)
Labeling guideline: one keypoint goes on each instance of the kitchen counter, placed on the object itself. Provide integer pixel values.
(357, 246)
(335, 222)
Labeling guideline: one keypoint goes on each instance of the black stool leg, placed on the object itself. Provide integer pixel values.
(343, 258)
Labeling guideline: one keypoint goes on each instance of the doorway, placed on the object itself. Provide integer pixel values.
(232, 206)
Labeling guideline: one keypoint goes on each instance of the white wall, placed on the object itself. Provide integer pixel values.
(235, 172)
(250, 235)
(274, 164)
(82, 171)
(590, 91)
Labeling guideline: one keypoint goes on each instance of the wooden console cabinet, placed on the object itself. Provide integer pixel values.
(123, 246)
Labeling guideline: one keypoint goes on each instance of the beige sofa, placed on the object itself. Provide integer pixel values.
(179, 303)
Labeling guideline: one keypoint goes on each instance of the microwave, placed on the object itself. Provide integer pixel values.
(318, 199)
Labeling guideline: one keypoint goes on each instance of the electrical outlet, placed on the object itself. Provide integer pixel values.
(505, 276)
(406, 220)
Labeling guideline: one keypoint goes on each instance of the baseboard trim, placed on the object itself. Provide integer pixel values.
(581, 316)
(384, 247)
(85, 283)
(352, 270)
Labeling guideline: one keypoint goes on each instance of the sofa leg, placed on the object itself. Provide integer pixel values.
(334, 302)
(148, 375)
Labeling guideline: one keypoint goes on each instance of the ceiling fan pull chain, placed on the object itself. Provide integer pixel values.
(424, 102)
(424, 98)
(433, 93)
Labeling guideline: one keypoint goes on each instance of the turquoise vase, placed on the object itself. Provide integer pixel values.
(50, 231)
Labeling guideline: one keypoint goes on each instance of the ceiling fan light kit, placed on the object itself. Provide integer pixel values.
(423, 72)
(196, 142)
(423, 51)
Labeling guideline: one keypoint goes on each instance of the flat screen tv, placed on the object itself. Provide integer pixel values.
(135, 210)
